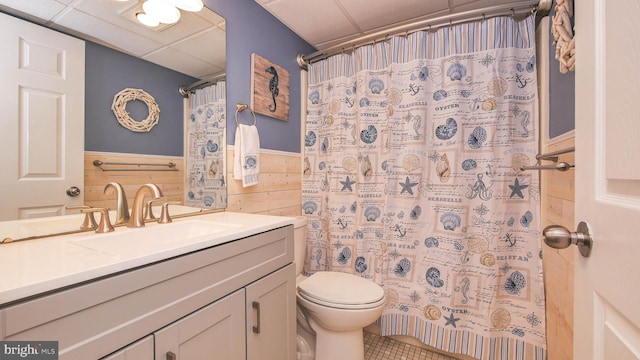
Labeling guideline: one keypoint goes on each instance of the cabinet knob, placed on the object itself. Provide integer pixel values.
(171, 356)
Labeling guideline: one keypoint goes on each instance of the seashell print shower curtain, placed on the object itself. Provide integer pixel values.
(412, 179)
(205, 184)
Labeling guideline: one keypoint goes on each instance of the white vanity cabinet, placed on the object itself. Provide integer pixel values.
(193, 306)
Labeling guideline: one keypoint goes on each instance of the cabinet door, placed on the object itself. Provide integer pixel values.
(271, 319)
(217, 331)
(140, 350)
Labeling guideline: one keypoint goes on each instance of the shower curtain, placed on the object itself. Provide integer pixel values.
(412, 179)
(205, 182)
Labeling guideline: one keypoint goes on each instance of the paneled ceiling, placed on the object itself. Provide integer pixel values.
(323, 23)
(112, 23)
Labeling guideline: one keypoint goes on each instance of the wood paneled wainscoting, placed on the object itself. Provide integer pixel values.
(557, 195)
(279, 190)
(170, 182)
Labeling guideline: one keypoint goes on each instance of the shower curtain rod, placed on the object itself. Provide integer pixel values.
(186, 90)
(514, 9)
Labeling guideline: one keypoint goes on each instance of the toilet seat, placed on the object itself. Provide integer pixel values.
(341, 290)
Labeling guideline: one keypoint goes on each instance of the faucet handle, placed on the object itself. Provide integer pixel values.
(148, 209)
(89, 222)
(105, 224)
(164, 217)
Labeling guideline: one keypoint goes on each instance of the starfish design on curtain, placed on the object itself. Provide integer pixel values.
(346, 185)
(516, 189)
(451, 320)
(407, 186)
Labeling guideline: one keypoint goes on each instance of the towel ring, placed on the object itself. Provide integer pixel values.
(242, 107)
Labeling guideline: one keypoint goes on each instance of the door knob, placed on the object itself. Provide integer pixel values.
(73, 191)
(558, 237)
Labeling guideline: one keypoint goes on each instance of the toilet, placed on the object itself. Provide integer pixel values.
(332, 308)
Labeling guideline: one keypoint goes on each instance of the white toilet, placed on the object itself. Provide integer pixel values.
(333, 308)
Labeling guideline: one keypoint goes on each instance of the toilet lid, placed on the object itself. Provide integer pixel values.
(340, 289)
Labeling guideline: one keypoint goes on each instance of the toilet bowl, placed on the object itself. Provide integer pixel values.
(333, 308)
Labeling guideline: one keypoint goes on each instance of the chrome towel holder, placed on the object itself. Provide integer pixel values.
(240, 108)
(133, 166)
(552, 156)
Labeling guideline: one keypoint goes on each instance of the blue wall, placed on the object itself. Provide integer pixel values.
(561, 93)
(251, 29)
(107, 73)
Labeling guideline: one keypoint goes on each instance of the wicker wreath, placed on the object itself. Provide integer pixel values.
(119, 108)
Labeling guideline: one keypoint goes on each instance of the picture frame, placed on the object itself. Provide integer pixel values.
(269, 88)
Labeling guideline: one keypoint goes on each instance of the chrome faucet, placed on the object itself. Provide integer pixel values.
(137, 210)
(122, 208)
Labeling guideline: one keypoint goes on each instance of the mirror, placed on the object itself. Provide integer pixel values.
(111, 23)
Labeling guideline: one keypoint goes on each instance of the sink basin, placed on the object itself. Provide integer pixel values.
(17, 229)
(152, 238)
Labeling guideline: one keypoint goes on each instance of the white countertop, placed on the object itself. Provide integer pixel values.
(36, 266)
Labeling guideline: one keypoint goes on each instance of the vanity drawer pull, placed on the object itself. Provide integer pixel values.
(256, 328)
(171, 356)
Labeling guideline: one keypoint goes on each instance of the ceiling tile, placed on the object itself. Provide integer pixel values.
(189, 22)
(315, 21)
(104, 32)
(372, 14)
(179, 61)
(45, 10)
(205, 46)
(211, 17)
(112, 23)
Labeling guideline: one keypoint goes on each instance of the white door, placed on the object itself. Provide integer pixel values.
(42, 119)
(607, 284)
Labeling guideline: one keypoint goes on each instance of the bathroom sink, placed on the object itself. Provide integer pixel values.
(152, 238)
(17, 229)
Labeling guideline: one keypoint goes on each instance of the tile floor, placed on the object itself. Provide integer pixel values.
(382, 348)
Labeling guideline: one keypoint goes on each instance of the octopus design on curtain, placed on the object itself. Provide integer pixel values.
(411, 181)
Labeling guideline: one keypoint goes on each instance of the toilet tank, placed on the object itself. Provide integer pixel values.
(299, 242)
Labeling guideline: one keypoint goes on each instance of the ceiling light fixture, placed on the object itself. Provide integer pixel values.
(166, 11)
(146, 19)
(188, 5)
(162, 10)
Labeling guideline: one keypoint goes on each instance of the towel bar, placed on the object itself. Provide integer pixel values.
(153, 167)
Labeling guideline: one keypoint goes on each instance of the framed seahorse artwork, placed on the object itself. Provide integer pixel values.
(269, 88)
